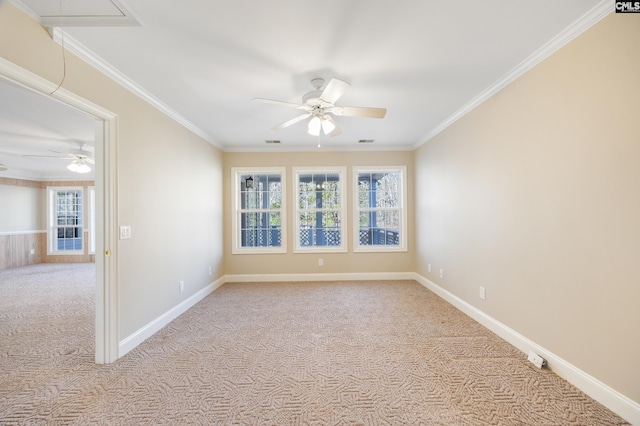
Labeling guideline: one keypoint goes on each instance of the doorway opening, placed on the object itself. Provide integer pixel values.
(105, 133)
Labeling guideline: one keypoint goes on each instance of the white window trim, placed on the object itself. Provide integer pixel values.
(235, 210)
(51, 238)
(91, 229)
(402, 247)
(342, 172)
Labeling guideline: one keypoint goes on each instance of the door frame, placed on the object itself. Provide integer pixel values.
(106, 141)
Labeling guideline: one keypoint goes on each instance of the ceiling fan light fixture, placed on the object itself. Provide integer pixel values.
(314, 126)
(319, 104)
(79, 166)
(327, 126)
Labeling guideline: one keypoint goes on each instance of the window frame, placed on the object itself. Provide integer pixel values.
(402, 209)
(52, 226)
(91, 208)
(236, 211)
(342, 173)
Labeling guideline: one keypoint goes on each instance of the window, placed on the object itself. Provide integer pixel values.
(320, 207)
(259, 210)
(65, 221)
(92, 220)
(380, 214)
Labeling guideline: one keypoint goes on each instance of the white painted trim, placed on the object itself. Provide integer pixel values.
(610, 398)
(21, 174)
(52, 240)
(26, 9)
(357, 248)
(312, 146)
(23, 232)
(106, 258)
(133, 340)
(25, 78)
(349, 276)
(587, 20)
(106, 302)
(341, 171)
(235, 202)
(78, 49)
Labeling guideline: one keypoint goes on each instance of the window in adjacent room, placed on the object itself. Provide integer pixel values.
(320, 210)
(65, 220)
(380, 210)
(258, 220)
(92, 220)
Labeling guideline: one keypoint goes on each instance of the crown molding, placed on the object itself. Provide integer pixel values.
(590, 18)
(77, 48)
(313, 147)
(26, 9)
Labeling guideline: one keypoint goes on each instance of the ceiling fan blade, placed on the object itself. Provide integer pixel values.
(292, 121)
(275, 102)
(335, 88)
(59, 157)
(360, 112)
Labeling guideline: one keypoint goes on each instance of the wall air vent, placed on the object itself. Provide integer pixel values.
(365, 141)
(272, 141)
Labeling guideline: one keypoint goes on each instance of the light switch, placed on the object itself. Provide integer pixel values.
(125, 232)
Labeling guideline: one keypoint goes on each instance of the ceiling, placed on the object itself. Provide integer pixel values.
(34, 125)
(202, 62)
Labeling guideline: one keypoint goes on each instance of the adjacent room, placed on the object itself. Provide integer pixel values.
(338, 213)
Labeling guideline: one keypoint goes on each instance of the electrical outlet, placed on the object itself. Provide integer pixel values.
(181, 285)
(482, 293)
(536, 359)
(441, 273)
(210, 271)
(32, 251)
(429, 267)
(320, 262)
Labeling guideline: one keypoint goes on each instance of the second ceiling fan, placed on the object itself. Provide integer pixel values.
(319, 106)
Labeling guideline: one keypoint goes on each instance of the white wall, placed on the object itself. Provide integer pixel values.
(535, 195)
(20, 209)
(169, 182)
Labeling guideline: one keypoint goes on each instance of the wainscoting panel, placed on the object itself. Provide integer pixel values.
(22, 249)
(15, 250)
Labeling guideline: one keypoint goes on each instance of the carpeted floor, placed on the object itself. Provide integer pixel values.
(323, 353)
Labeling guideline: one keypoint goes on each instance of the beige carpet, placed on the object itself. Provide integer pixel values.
(344, 353)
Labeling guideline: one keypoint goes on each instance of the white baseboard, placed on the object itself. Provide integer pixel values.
(133, 340)
(355, 276)
(139, 336)
(610, 398)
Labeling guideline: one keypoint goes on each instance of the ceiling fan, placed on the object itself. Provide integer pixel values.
(319, 105)
(80, 159)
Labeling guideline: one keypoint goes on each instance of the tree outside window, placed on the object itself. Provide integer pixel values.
(320, 210)
(259, 217)
(381, 215)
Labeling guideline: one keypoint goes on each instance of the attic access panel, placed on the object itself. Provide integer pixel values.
(79, 13)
